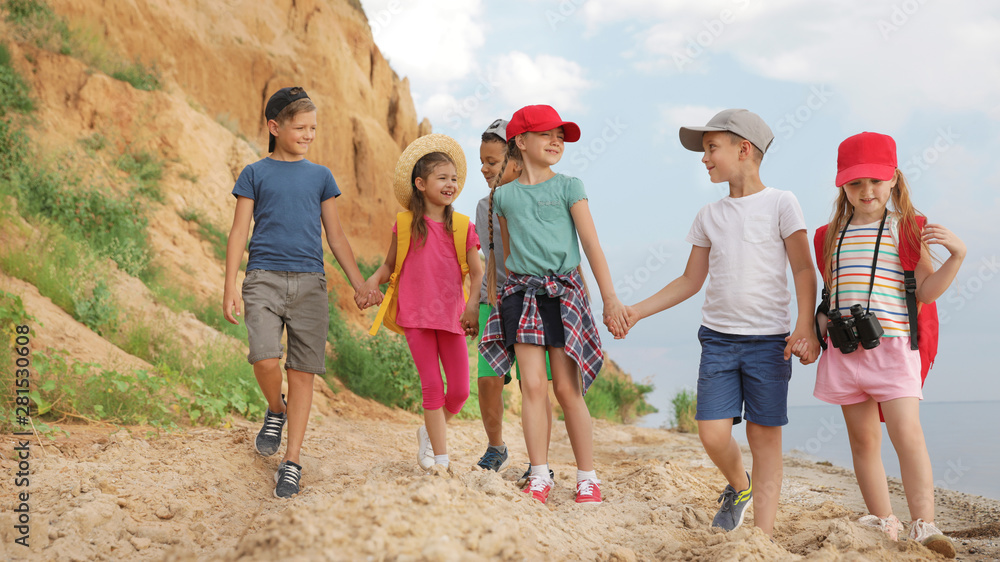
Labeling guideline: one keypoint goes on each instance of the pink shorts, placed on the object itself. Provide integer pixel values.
(890, 371)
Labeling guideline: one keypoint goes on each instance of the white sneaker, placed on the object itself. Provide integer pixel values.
(931, 537)
(425, 453)
(890, 525)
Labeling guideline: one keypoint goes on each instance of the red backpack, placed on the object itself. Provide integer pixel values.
(923, 316)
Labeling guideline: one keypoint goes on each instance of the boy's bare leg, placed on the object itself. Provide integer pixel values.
(717, 438)
(491, 408)
(865, 434)
(300, 394)
(566, 384)
(435, 422)
(535, 395)
(268, 373)
(765, 446)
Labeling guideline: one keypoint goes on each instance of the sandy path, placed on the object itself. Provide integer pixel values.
(204, 494)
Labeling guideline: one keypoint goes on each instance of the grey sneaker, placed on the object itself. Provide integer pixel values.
(931, 537)
(523, 480)
(494, 459)
(269, 437)
(734, 507)
(286, 479)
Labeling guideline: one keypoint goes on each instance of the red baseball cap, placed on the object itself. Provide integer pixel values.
(866, 155)
(539, 118)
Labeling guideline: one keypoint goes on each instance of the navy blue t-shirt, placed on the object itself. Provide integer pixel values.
(287, 200)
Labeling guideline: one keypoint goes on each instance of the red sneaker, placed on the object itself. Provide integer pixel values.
(588, 491)
(539, 488)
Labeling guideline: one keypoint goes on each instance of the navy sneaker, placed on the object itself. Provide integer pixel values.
(494, 459)
(269, 437)
(286, 479)
(523, 480)
(734, 507)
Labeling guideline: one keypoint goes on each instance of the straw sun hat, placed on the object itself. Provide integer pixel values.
(402, 182)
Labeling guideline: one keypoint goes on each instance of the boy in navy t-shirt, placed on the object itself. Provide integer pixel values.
(290, 201)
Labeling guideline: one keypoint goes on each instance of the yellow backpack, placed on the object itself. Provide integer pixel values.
(387, 311)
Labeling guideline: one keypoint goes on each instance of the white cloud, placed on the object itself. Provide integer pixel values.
(427, 40)
(677, 116)
(545, 79)
(888, 60)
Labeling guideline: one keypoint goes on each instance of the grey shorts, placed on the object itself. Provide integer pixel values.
(282, 299)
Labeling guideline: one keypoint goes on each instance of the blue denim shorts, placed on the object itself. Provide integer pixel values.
(743, 372)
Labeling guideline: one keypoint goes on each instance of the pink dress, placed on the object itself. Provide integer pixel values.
(430, 281)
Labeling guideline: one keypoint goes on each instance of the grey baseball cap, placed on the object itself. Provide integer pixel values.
(744, 123)
(498, 128)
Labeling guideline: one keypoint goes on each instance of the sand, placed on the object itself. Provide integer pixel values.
(107, 493)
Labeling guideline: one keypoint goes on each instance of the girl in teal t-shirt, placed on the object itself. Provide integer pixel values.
(544, 217)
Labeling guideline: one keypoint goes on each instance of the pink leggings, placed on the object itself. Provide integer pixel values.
(426, 346)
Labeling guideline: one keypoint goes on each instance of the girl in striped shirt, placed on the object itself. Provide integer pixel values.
(862, 266)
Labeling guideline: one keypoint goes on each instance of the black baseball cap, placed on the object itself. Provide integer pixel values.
(278, 101)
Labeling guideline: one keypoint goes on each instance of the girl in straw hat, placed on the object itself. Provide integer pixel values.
(433, 248)
(543, 304)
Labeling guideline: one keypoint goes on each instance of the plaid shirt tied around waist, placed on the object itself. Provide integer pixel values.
(583, 343)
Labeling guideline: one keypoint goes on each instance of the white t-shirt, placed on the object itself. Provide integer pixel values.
(747, 287)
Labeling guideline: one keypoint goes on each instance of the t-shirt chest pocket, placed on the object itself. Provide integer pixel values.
(549, 210)
(757, 229)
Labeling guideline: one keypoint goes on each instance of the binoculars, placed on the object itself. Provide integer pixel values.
(846, 332)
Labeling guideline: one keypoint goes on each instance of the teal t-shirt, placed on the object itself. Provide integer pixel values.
(542, 234)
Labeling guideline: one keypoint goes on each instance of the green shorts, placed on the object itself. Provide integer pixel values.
(484, 369)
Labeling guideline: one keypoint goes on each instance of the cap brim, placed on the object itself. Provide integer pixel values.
(876, 171)
(691, 137)
(417, 149)
(571, 131)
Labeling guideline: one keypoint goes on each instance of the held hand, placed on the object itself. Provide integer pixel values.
(615, 318)
(470, 322)
(804, 346)
(633, 316)
(937, 234)
(230, 303)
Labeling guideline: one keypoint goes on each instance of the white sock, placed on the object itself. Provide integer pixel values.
(502, 448)
(586, 475)
(541, 470)
(441, 459)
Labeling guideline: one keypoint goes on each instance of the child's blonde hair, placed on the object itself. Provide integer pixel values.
(302, 105)
(903, 210)
(423, 169)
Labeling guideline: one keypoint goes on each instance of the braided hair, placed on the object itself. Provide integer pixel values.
(512, 153)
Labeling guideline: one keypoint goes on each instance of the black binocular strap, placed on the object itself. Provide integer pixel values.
(871, 282)
(910, 283)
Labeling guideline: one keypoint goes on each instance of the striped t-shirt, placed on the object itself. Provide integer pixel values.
(854, 274)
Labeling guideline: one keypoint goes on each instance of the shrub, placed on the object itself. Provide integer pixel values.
(685, 404)
(377, 367)
(145, 170)
(618, 398)
(36, 23)
(98, 311)
(138, 75)
(13, 89)
(85, 391)
(208, 232)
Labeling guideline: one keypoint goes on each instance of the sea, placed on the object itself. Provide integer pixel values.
(964, 449)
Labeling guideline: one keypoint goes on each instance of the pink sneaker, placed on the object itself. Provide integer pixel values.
(539, 488)
(588, 491)
(891, 525)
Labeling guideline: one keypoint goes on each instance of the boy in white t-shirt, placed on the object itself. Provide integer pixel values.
(742, 243)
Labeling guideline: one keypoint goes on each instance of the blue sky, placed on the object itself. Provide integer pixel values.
(630, 72)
